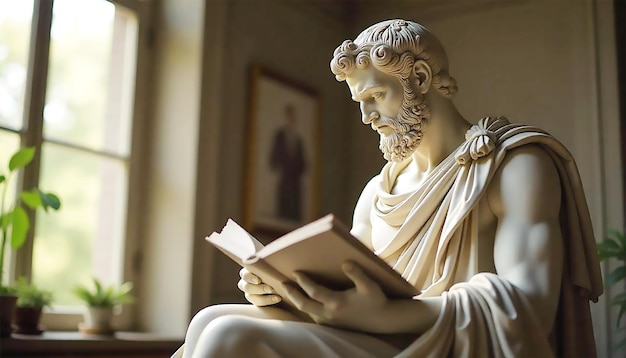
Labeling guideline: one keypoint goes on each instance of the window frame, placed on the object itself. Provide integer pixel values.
(31, 134)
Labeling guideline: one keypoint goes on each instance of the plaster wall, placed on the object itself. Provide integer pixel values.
(166, 248)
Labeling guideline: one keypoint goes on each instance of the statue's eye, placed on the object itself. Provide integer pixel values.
(377, 95)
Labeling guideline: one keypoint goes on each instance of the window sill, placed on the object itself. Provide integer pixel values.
(75, 344)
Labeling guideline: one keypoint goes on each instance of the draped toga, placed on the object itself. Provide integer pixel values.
(434, 249)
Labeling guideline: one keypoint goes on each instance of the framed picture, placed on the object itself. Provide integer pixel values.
(283, 140)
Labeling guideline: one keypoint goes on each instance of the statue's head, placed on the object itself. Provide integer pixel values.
(392, 47)
(408, 52)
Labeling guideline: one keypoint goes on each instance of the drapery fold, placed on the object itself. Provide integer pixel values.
(484, 317)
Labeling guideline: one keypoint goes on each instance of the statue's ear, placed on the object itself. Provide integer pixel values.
(422, 76)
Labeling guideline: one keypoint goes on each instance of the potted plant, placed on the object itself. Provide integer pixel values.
(7, 306)
(614, 246)
(30, 303)
(14, 225)
(101, 302)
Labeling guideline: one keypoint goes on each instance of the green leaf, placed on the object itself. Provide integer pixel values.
(19, 228)
(123, 293)
(125, 288)
(6, 219)
(621, 345)
(2, 179)
(108, 296)
(617, 275)
(49, 200)
(619, 299)
(621, 238)
(618, 237)
(21, 158)
(31, 199)
(84, 294)
(30, 295)
(608, 249)
(608, 244)
(99, 290)
(622, 309)
(101, 296)
(7, 290)
(605, 255)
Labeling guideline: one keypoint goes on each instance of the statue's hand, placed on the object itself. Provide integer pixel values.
(361, 307)
(257, 292)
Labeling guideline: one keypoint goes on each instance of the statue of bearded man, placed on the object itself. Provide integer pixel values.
(392, 49)
(487, 220)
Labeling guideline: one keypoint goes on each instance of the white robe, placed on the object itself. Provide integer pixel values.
(435, 249)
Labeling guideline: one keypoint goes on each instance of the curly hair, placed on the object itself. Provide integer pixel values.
(392, 47)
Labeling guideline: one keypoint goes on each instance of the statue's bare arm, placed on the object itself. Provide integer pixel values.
(361, 225)
(525, 198)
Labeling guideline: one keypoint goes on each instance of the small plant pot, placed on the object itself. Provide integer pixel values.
(97, 321)
(7, 307)
(26, 320)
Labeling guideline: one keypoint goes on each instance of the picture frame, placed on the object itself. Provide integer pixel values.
(283, 154)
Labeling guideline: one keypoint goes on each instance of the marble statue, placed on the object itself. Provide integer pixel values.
(488, 220)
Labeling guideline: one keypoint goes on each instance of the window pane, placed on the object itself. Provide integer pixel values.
(92, 54)
(15, 22)
(9, 143)
(84, 238)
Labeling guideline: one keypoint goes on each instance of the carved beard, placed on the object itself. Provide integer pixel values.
(407, 130)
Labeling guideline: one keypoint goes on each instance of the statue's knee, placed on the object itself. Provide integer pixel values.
(202, 318)
(233, 334)
(234, 328)
(208, 314)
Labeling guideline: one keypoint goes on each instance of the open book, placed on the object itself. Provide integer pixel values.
(317, 249)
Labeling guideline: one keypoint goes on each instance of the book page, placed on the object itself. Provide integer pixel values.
(235, 241)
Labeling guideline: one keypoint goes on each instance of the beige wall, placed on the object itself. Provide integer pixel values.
(541, 62)
(167, 242)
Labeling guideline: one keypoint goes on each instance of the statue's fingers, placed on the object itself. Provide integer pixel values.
(263, 300)
(362, 282)
(303, 302)
(254, 289)
(249, 276)
(314, 290)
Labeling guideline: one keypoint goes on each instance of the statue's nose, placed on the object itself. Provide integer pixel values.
(368, 117)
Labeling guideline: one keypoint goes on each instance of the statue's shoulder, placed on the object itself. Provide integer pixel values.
(525, 170)
(525, 155)
(373, 184)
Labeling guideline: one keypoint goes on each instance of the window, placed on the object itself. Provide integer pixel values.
(69, 90)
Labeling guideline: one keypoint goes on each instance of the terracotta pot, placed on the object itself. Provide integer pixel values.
(27, 320)
(7, 306)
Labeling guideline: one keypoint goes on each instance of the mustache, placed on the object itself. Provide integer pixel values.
(384, 121)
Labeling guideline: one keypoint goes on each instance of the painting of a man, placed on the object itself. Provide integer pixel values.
(287, 158)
